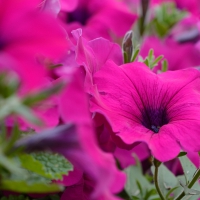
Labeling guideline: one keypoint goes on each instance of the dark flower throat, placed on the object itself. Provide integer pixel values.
(154, 119)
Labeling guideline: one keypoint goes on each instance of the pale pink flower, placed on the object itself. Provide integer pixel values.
(26, 36)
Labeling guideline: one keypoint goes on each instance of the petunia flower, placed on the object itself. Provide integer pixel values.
(168, 47)
(192, 6)
(92, 55)
(54, 6)
(99, 18)
(76, 141)
(161, 110)
(26, 36)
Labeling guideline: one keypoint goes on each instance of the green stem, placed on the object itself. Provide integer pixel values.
(156, 182)
(191, 183)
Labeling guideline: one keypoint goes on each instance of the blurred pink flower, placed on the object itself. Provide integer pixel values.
(192, 6)
(161, 110)
(99, 19)
(179, 56)
(76, 110)
(69, 5)
(77, 143)
(93, 55)
(27, 34)
(54, 6)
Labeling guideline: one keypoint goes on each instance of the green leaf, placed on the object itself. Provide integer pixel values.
(10, 164)
(135, 55)
(188, 167)
(166, 15)
(8, 144)
(30, 163)
(134, 175)
(184, 188)
(156, 61)
(164, 65)
(166, 179)
(150, 193)
(54, 197)
(33, 99)
(170, 192)
(55, 165)
(28, 114)
(15, 197)
(25, 187)
(182, 154)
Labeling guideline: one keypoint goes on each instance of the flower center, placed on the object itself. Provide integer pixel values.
(155, 129)
(80, 15)
(154, 119)
(2, 44)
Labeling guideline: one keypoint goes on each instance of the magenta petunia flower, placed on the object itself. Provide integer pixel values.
(161, 110)
(99, 18)
(193, 6)
(169, 47)
(54, 6)
(26, 36)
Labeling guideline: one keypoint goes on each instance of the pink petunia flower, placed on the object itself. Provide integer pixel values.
(192, 6)
(161, 110)
(54, 6)
(99, 18)
(27, 34)
(168, 47)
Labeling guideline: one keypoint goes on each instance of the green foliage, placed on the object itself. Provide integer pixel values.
(24, 187)
(188, 167)
(167, 181)
(189, 181)
(15, 197)
(137, 186)
(166, 16)
(54, 197)
(34, 99)
(54, 165)
(151, 61)
(9, 84)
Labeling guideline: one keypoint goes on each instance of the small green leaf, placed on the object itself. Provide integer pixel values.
(188, 168)
(10, 164)
(24, 187)
(157, 60)
(170, 191)
(54, 197)
(28, 114)
(55, 165)
(182, 154)
(15, 197)
(166, 179)
(135, 55)
(164, 65)
(146, 62)
(33, 99)
(135, 175)
(151, 54)
(30, 163)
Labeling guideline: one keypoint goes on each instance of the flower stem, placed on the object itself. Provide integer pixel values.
(157, 164)
(156, 183)
(191, 183)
